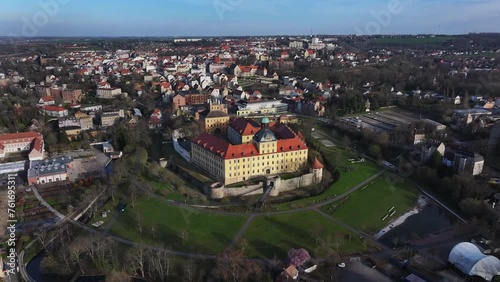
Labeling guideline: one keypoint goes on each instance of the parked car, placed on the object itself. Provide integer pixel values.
(121, 207)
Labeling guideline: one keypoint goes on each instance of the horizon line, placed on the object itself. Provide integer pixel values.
(237, 36)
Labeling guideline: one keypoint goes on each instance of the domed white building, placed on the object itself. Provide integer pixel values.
(470, 260)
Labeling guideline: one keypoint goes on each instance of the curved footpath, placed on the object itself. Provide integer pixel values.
(307, 208)
(250, 217)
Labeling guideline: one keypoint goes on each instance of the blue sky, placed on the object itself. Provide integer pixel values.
(245, 17)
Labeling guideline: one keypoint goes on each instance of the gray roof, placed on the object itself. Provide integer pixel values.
(265, 135)
(48, 166)
(213, 114)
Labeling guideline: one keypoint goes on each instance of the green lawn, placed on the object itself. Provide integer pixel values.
(272, 236)
(165, 190)
(178, 228)
(111, 206)
(365, 208)
(354, 175)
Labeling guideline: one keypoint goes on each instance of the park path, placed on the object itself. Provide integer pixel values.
(242, 230)
(44, 203)
(270, 213)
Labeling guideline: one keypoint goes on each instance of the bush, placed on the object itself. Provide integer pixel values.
(471, 207)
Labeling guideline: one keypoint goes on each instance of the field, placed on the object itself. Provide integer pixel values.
(178, 228)
(413, 40)
(349, 175)
(365, 208)
(275, 235)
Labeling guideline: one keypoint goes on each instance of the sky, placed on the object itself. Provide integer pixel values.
(31, 18)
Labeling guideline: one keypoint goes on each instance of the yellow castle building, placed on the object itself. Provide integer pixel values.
(215, 119)
(250, 150)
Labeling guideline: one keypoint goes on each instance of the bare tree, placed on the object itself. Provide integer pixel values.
(232, 266)
(189, 270)
(137, 259)
(42, 237)
(76, 250)
(117, 276)
(153, 230)
(159, 261)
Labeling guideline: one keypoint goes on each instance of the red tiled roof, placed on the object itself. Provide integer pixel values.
(154, 120)
(300, 135)
(287, 145)
(53, 108)
(38, 144)
(316, 164)
(245, 126)
(245, 68)
(19, 135)
(224, 149)
(47, 98)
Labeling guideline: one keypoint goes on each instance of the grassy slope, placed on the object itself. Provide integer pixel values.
(365, 208)
(206, 233)
(275, 235)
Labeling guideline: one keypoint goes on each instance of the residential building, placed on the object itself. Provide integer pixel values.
(46, 101)
(91, 108)
(68, 122)
(265, 107)
(245, 71)
(109, 118)
(468, 162)
(310, 54)
(86, 122)
(181, 145)
(31, 142)
(108, 93)
(155, 119)
(429, 149)
(181, 99)
(55, 111)
(55, 92)
(296, 44)
(274, 149)
(71, 96)
(49, 170)
(214, 120)
(72, 132)
(290, 273)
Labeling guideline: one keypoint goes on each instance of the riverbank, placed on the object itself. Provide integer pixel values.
(421, 203)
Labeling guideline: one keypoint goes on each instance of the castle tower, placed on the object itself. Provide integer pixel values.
(317, 170)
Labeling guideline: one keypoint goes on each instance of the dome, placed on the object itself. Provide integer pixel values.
(265, 121)
(470, 260)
